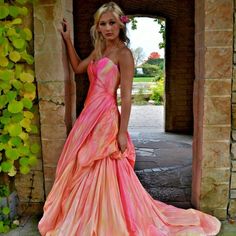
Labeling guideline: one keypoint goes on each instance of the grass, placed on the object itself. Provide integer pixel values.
(143, 79)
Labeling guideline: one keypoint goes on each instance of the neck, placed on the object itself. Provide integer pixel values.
(113, 43)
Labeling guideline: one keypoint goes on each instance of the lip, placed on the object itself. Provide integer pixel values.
(108, 34)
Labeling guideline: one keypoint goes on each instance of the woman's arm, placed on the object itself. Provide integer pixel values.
(78, 65)
(126, 64)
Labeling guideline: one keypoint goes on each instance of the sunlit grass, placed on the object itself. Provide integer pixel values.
(143, 79)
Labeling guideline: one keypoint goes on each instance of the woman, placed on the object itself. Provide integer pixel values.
(96, 192)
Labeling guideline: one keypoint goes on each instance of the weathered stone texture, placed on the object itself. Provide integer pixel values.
(213, 66)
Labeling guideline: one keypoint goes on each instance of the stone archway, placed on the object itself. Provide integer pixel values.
(180, 48)
(214, 179)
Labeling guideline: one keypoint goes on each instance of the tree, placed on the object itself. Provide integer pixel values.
(139, 55)
(154, 55)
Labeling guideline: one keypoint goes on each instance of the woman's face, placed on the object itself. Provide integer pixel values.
(108, 26)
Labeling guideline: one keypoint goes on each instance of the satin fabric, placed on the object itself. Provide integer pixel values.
(96, 191)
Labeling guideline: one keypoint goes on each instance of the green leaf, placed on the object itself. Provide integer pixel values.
(12, 172)
(17, 117)
(16, 21)
(5, 120)
(24, 161)
(16, 141)
(25, 123)
(6, 166)
(29, 87)
(34, 129)
(4, 11)
(18, 43)
(6, 113)
(26, 77)
(24, 136)
(15, 106)
(10, 65)
(14, 129)
(12, 154)
(3, 61)
(14, 11)
(29, 59)
(5, 210)
(3, 101)
(6, 75)
(33, 160)
(24, 11)
(27, 103)
(24, 170)
(22, 2)
(15, 56)
(24, 150)
(34, 148)
(17, 84)
(28, 34)
(11, 95)
(4, 138)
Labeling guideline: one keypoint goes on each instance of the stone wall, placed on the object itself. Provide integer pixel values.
(232, 202)
(212, 106)
(55, 84)
(179, 53)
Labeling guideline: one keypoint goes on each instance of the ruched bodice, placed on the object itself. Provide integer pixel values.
(104, 79)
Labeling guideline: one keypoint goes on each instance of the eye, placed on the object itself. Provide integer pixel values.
(102, 23)
(112, 22)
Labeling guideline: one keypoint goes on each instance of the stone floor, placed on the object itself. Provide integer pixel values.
(163, 165)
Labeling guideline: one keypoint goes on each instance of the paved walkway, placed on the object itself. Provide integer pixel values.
(163, 165)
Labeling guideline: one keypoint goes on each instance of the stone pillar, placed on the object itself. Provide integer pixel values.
(212, 106)
(232, 202)
(56, 86)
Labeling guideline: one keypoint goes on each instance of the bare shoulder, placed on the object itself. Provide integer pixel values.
(125, 55)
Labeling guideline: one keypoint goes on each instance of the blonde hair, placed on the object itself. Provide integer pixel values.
(97, 38)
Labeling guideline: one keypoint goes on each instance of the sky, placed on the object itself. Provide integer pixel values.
(146, 36)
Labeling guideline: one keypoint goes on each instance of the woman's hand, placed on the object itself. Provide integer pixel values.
(65, 32)
(122, 141)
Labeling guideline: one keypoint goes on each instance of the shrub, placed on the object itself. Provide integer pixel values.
(158, 92)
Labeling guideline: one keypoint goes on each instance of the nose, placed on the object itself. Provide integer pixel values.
(108, 27)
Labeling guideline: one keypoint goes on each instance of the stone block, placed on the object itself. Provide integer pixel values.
(233, 146)
(49, 173)
(51, 89)
(48, 43)
(51, 151)
(48, 187)
(216, 154)
(233, 97)
(232, 208)
(24, 183)
(216, 133)
(218, 14)
(215, 87)
(220, 213)
(51, 113)
(233, 165)
(50, 132)
(233, 194)
(218, 38)
(233, 180)
(216, 176)
(213, 195)
(47, 19)
(50, 67)
(217, 111)
(234, 120)
(218, 63)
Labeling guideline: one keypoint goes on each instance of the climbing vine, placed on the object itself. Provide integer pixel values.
(17, 96)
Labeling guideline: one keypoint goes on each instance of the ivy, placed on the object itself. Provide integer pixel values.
(17, 96)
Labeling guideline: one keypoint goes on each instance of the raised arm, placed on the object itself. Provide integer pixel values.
(79, 66)
(126, 64)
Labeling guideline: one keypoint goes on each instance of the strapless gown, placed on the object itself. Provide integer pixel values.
(96, 191)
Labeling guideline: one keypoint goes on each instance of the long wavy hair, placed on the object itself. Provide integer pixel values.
(97, 38)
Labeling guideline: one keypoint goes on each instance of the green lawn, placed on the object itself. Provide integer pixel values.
(143, 79)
